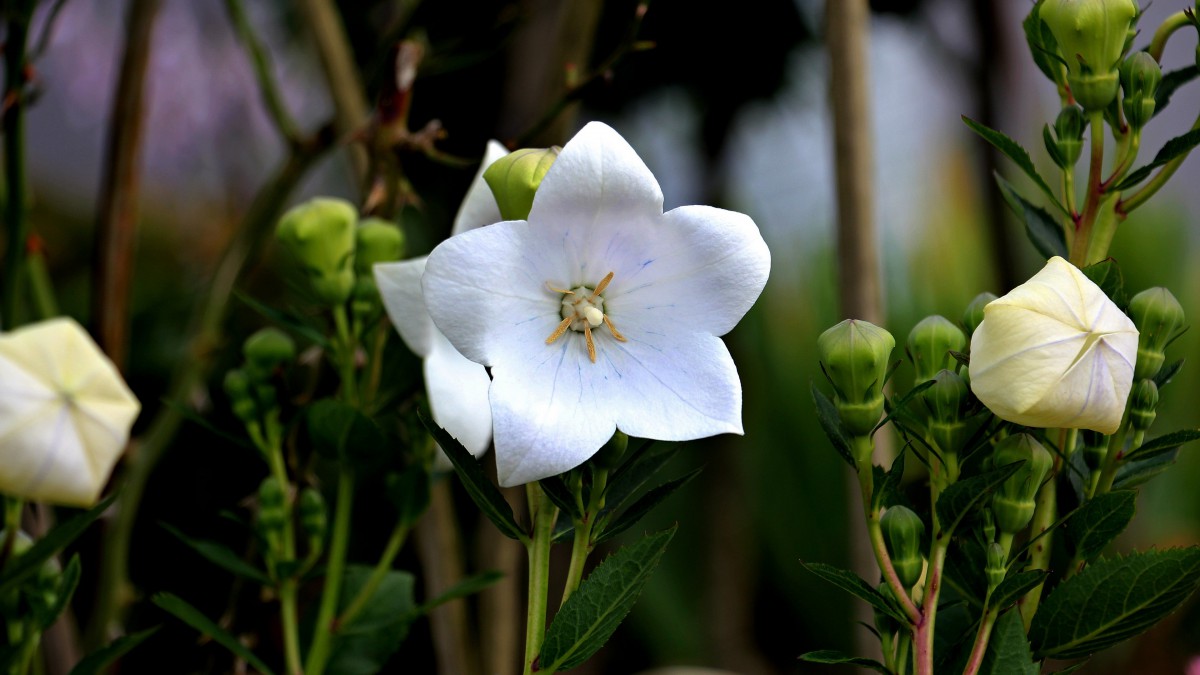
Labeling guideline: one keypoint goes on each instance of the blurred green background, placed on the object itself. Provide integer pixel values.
(728, 107)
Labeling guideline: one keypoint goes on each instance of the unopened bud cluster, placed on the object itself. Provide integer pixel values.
(1092, 35)
(1014, 502)
(251, 389)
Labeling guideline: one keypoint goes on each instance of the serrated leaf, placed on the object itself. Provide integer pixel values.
(1014, 586)
(221, 556)
(854, 585)
(23, 568)
(635, 471)
(1170, 82)
(1112, 600)
(1099, 521)
(887, 484)
(1176, 147)
(364, 644)
(193, 617)
(834, 657)
(1139, 471)
(636, 511)
(1167, 372)
(1163, 444)
(898, 406)
(1072, 668)
(1008, 650)
(963, 571)
(588, 618)
(481, 490)
(958, 499)
(831, 424)
(289, 321)
(469, 586)
(1043, 230)
(1052, 148)
(1016, 153)
(340, 431)
(1042, 46)
(1107, 276)
(98, 661)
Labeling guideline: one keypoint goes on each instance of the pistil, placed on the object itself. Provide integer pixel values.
(583, 313)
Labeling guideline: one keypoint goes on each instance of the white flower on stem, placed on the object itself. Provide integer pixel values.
(65, 414)
(600, 311)
(1055, 352)
(457, 388)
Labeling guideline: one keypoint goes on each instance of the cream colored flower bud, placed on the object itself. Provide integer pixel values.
(1055, 352)
(65, 414)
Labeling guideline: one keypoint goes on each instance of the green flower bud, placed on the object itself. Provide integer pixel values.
(946, 402)
(515, 178)
(902, 532)
(272, 508)
(267, 349)
(854, 355)
(375, 241)
(314, 518)
(1142, 402)
(1140, 77)
(320, 235)
(1158, 317)
(241, 401)
(930, 343)
(1095, 447)
(973, 316)
(1013, 504)
(611, 453)
(1091, 36)
(997, 565)
(1066, 145)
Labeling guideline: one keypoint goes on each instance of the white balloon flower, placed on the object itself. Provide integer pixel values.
(65, 414)
(600, 311)
(1055, 352)
(457, 388)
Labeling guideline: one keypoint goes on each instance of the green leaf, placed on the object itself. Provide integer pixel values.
(592, 613)
(1134, 473)
(193, 617)
(854, 585)
(1043, 230)
(1163, 444)
(834, 657)
(1042, 46)
(831, 424)
(1072, 668)
(289, 321)
(1016, 153)
(958, 499)
(900, 405)
(643, 505)
(1014, 586)
(1167, 372)
(468, 586)
(1170, 82)
(558, 492)
(364, 645)
(1099, 521)
(23, 568)
(483, 492)
(1112, 600)
(46, 614)
(1107, 276)
(221, 556)
(887, 484)
(1176, 147)
(408, 491)
(340, 431)
(637, 469)
(1008, 650)
(98, 661)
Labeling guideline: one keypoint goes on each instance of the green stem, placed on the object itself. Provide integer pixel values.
(15, 220)
(263, 72)
(924, 631)
(344, 354)
(544, 514)
(581, 546)
(1116, 447)
(12, 524)
(1068, 190)
(1083, 229)
(982, 637)
(1152, 186)
(318, 652)
(395, 543)
(40, 286)
(1044, 514)
(1172, 23)
(273, 449)
(291, 626)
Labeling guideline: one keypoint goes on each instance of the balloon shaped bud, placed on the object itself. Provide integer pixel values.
(1142, 403)
(1095, 447)
(1159, 318)
(997, 565)
(1066, 144)
(515, 178)
(613, 451)
(320, 236)
(1014, 502)
(1140, 77)
(313, 516)
(267, 349)
(930, 343)
(854, 354)
(272, 506)
(376, 241)
(241, 400)
(973, 316)
(1091, 36)
(902, 532)
(946, 402)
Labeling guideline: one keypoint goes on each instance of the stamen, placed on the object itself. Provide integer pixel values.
(587, 334)
(562, 328)
(559, 290)
(613, 329)
(601, 286)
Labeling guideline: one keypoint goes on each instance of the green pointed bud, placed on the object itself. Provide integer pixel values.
(376, 241)
(611, 453)
(946, 402)
(902, 532)
(930, 343)
(515, 178)
(997, 565)
(1013, 504)
(1091, 36)
(973, 316)
(884, 623)
(854, 354)
(314, 519)
(1068, 136)
(1095, 447)
(267, 349)
(272, 510)
(320, 235)
(1140, 77)
(1159, 318)
(1142, 403)
(988, 527)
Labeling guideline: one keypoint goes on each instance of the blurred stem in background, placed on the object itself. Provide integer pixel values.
(16, 222)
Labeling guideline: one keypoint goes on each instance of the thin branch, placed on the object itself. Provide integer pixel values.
(264, 72)
(47, 29)
(15, 217)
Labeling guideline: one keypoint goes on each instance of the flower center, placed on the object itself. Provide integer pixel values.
(582, 310)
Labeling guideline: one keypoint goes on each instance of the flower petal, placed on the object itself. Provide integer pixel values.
(479, 205)
(400, 287)
(458, 397)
